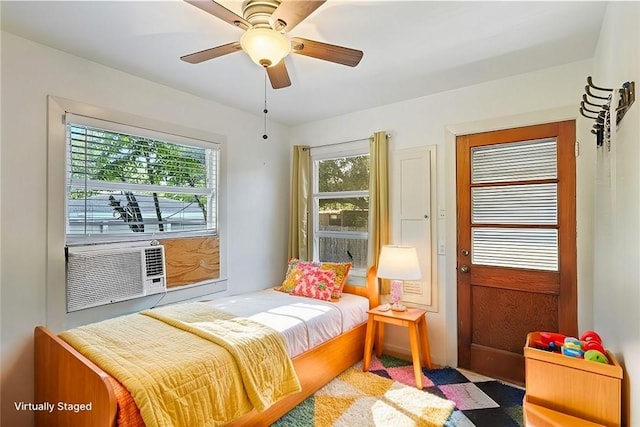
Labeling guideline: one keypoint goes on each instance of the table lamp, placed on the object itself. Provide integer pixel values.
(398, 263)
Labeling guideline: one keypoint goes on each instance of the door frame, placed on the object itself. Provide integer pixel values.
(447, 190)
(561, 284)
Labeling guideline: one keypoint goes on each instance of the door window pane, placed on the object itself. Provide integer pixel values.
(535, 248)
(515, 204)
(514, 161)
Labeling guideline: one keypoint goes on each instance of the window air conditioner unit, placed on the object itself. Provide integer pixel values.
(106, 275)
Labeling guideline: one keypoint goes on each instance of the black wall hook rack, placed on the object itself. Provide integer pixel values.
(627, 98)
(600, 98)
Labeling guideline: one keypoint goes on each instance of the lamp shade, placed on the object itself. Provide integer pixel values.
(265, 46)
(399, 263)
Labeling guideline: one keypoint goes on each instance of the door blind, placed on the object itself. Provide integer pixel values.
(515, 204)
(515, 223)
(516, 161)
(515, 247)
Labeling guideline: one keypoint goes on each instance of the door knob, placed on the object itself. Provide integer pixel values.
(464, 269)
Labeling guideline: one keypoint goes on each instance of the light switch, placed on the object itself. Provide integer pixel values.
(441, 248)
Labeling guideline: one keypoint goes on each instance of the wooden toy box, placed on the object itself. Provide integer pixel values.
(581, 388)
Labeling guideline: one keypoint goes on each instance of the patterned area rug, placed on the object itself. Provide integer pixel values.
(386, 396)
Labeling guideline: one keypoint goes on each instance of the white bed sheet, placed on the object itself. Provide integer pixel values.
(303, 322)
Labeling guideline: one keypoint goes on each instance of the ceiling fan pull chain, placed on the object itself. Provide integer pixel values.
(265, 111)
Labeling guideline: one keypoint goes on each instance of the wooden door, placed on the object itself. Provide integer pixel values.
(516, 243)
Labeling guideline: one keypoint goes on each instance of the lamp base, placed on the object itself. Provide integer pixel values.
(398, 307)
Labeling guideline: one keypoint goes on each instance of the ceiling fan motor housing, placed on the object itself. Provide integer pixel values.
(258, 12)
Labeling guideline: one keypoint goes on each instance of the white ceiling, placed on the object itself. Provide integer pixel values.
(411, 48)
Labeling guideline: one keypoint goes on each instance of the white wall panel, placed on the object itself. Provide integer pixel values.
(412, 188)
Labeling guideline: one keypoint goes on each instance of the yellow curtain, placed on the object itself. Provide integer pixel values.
(299, 245)
(379, 199)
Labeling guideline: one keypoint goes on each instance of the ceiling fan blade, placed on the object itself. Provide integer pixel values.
(326, 52)
(292, 12)
(278, 75)
(214, 52)
(219, 11)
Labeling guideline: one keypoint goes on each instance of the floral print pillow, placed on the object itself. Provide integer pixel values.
(316, 283)
(297, 269)
(342, 271)
(295, 272)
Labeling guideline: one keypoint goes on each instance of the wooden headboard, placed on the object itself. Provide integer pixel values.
(370, 291)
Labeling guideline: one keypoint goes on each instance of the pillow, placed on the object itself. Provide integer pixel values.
(342, 271)
(296, 270)
(316, 283)
(293, 276)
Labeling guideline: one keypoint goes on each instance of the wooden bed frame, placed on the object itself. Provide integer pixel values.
(64, 375)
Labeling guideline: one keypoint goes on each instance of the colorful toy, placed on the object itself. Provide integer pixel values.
(572, 352)
(572, 347)
(550, 341)
(589, 346)
(595, 356)
(593, 345)
(572, 342)
(591, 336)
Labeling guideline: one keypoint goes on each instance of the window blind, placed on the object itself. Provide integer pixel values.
(123, 180)
(517, 161)
(515, 247)
(506, 205)
(515, 204)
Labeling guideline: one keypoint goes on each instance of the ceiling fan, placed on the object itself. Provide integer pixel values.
(265, 23)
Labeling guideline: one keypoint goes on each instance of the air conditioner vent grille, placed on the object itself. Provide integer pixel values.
(153, 261)
(102, 276)
(89, 274)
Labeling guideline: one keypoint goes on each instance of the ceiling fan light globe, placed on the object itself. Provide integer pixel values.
(265, 46)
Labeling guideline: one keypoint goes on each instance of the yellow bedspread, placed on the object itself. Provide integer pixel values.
(189, 364)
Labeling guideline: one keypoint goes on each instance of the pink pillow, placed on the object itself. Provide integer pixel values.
(295, 271)
(316, 283)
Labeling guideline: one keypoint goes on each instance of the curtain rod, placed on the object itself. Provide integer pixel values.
(343, 142)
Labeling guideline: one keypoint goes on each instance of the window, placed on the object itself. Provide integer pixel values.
(125, 183)
(341, 206)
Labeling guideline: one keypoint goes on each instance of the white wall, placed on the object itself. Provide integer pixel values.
(543, 96)
(257, 182)
(617, 204)
(1, 234)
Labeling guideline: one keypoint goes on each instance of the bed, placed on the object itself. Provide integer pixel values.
(62, 374)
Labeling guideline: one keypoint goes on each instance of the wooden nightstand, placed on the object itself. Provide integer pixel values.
(415, 319)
